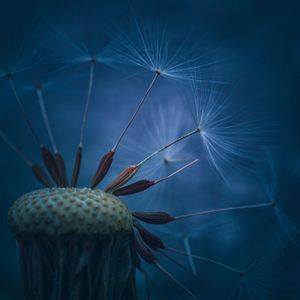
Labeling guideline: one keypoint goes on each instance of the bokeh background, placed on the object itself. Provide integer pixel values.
(256, 46)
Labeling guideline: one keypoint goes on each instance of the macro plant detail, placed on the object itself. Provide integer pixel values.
(84, 242)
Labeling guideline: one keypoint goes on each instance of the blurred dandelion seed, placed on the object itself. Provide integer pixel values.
(256, 281)
(164, 133)
(36, 169)
(22, 55)
(286, 231)
(22, 109)
(66, 51)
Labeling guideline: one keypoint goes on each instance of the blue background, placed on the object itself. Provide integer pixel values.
(258, 47)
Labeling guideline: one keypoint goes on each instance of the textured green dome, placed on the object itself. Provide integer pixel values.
(60, 211)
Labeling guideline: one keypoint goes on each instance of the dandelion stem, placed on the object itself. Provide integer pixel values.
(187, 246)
(37, 170)
(45, 117)
(46, 154)
(173, 279)
(131, 171)
(177, 171)
(168, 145)
(206, 212)
(77, 164)
(147, 285)
(205, 259)
(22, 109)
(59, 161)
(142, 101)
(76, 168)
(142, 185)
(147, 276)
(15, 149)
(51, 165)
(87, 102)
(173, 260)
(107, 159)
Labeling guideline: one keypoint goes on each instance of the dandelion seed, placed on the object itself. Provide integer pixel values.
(99, 176)
(8, 76)
(49, 159)
(59, 161)
(226, 209)
(164, 133)
(142, 185)
(286, 231)
(256, 281)
(231, 140)
(151, 49)
(23, 55)
(130, 171)
(37, 170)
(77, 164)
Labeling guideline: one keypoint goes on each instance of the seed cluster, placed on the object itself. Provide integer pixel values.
(60, 211)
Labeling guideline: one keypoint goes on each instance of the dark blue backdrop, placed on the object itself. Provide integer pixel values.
(257, 46)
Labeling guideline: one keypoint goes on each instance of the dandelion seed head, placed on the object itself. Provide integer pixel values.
(287, 230)
(156, 50)
(230, 137)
